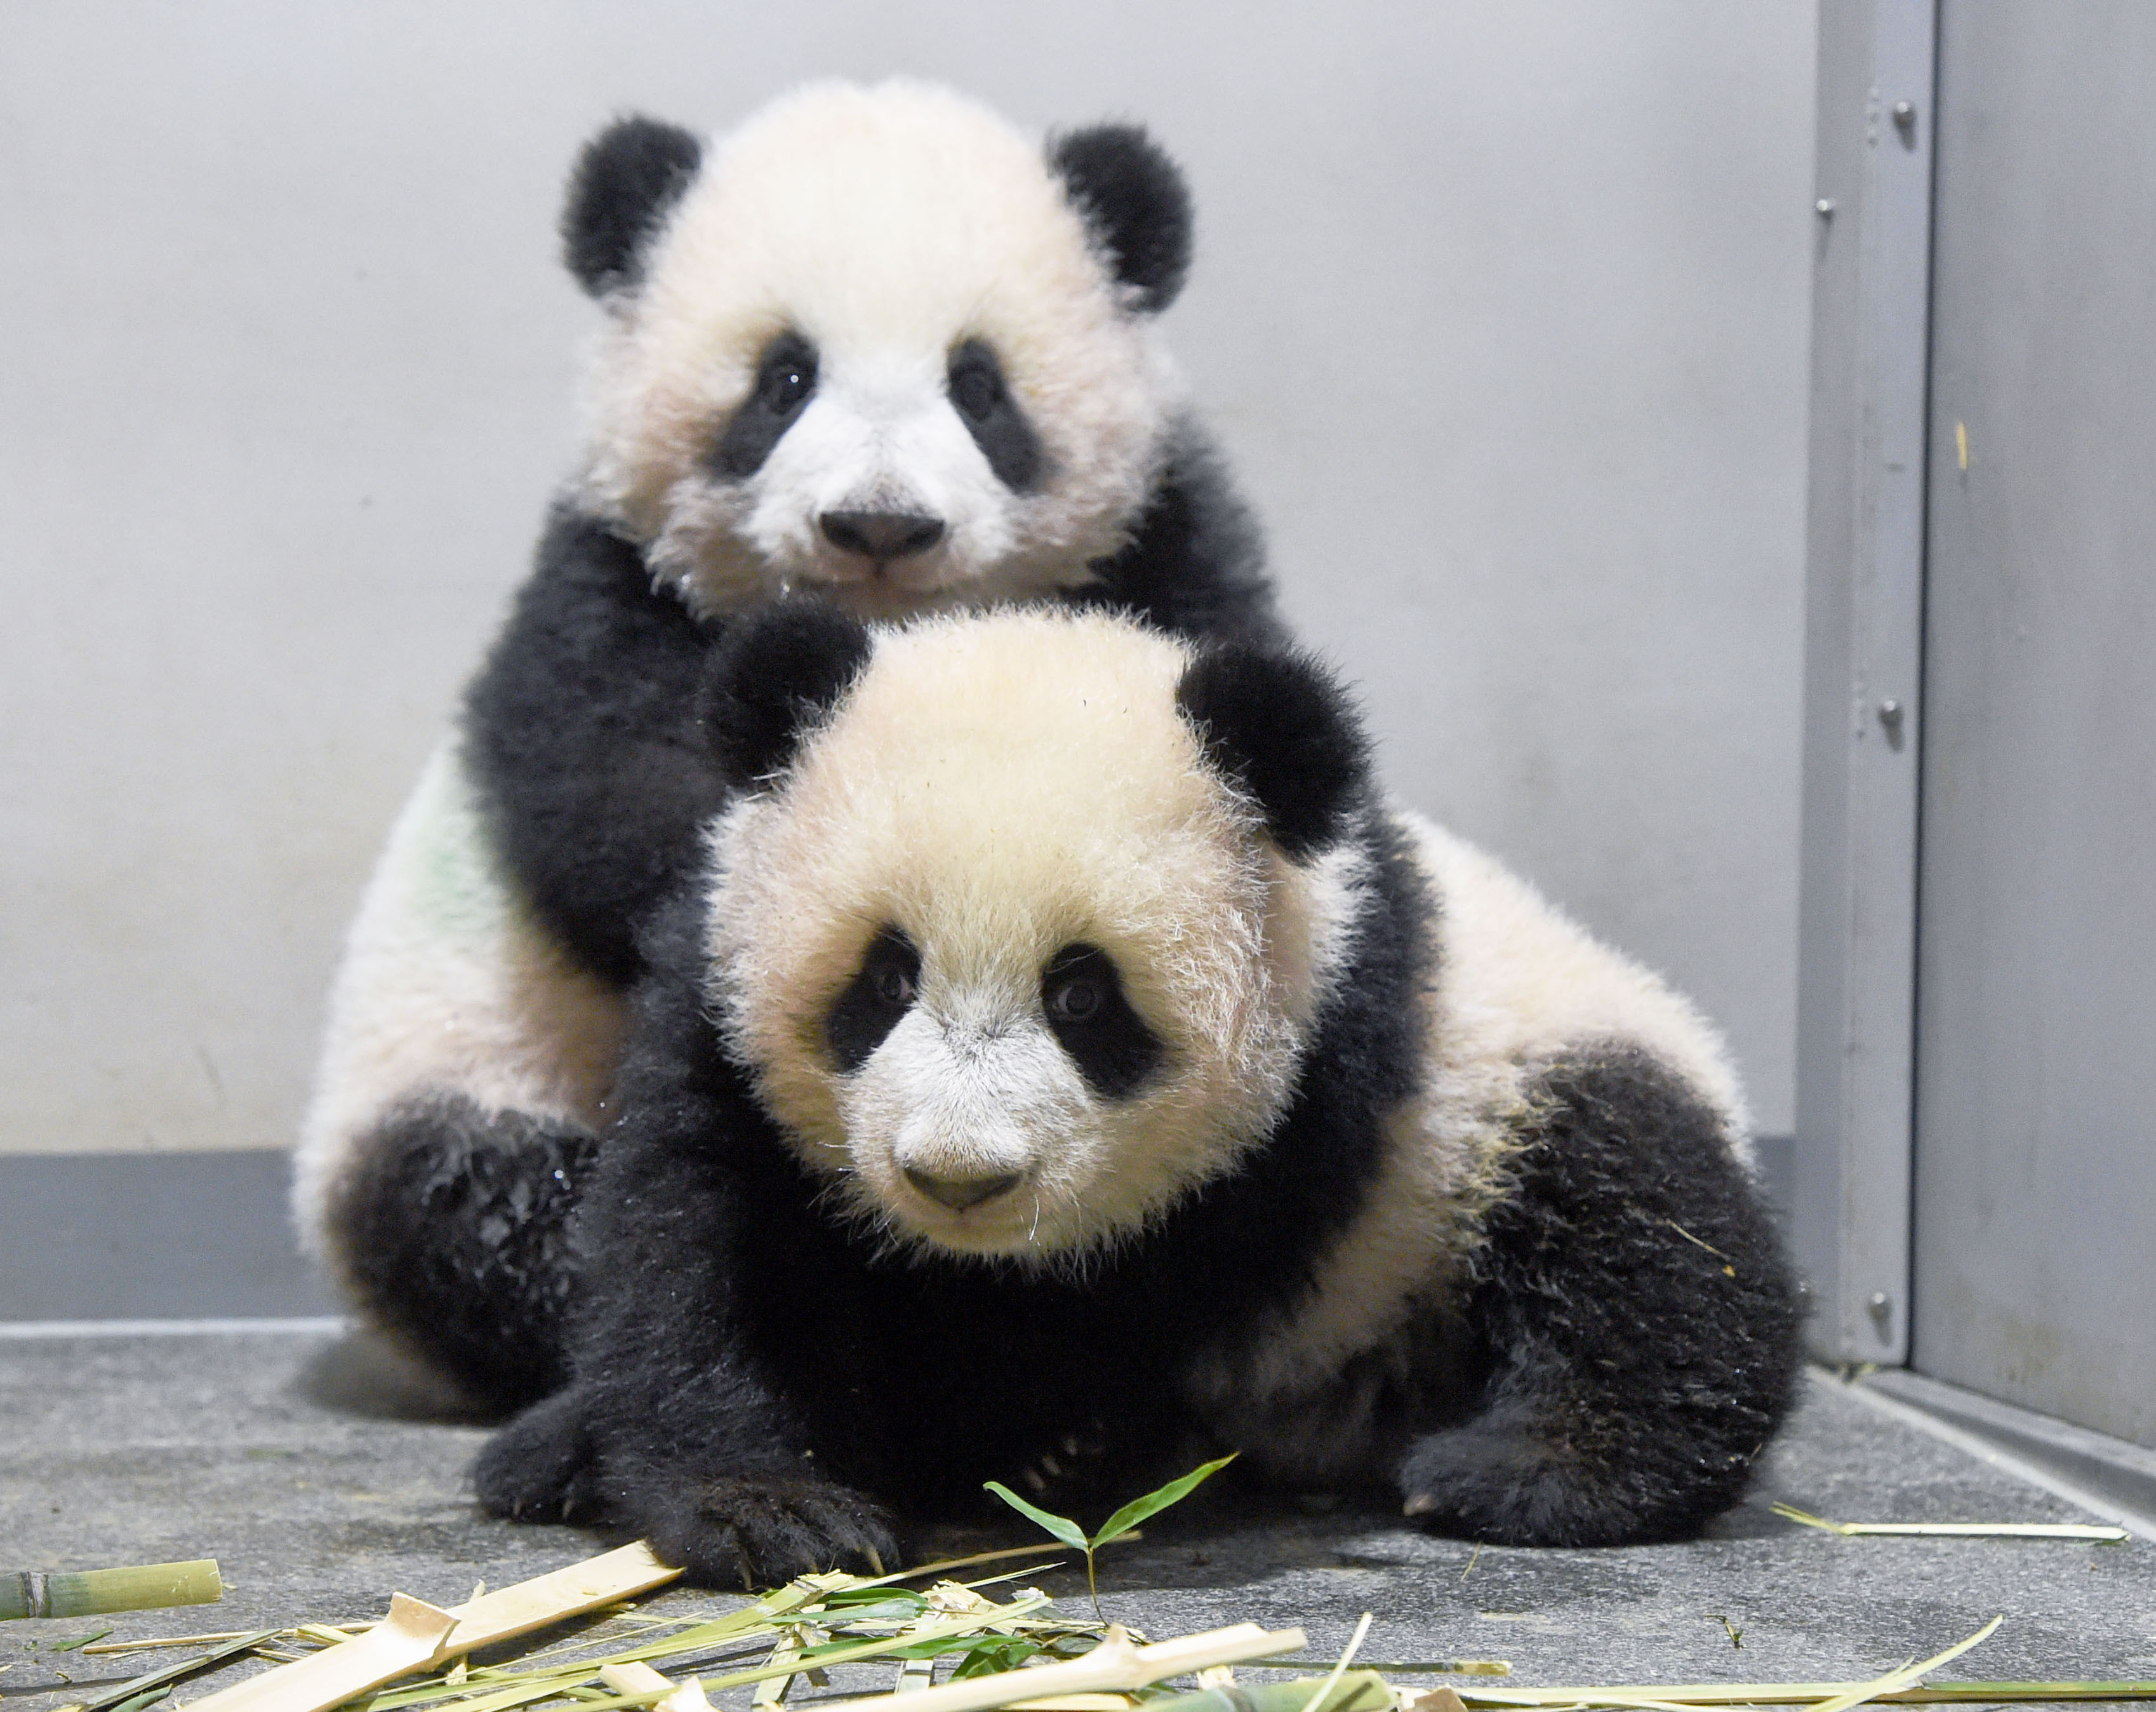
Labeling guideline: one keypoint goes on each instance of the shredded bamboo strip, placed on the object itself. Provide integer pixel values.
(1963, 1530)
(1115, 1664)
(149, 1586)
(1339, 1670)
(412, 1638)
(566, 1592)
(1822, 1697)
(171, 1673)
(630, 1678)
(1358, 1691)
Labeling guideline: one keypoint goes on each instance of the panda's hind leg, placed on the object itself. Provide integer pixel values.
(1641, 1321)
(452, 1225)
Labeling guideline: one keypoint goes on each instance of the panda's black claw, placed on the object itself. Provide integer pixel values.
(762, 1530)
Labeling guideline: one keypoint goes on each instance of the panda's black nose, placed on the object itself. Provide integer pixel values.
(959, 1193)
(881, 534)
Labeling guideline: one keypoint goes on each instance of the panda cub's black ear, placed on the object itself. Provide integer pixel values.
(624, 183)
(773, 675)
(1285, 729)
(1134, 200)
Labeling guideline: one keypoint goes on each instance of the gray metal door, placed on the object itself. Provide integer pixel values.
(2034, 1274)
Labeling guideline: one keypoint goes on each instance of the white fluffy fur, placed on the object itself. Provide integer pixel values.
(886, 225)
(1000, 789)
(1519, 983)
(447, 985)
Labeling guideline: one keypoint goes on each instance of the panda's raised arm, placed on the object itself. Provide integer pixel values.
(775, 673)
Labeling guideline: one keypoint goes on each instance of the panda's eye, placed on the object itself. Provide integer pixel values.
(985, 403)
(1072, 1000)
(977, 384)
(1081, 995)
(785, 382)
(787, 377)
(876, 1000)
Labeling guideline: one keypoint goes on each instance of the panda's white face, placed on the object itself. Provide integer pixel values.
(1015, 970)
(873, 353)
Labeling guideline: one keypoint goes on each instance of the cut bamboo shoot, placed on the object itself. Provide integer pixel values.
(149, 1586)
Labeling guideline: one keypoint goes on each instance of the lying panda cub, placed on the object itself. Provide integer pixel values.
(875, 343)
(1068, 1044)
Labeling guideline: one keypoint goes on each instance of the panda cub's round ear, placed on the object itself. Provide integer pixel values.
(1284, 729)
(1134, 202)
(624, 183)
(772, 676)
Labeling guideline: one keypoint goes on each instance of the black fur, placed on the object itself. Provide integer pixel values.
(581, 737)
(975, 377)
(701, 1407)
(1642, 1319)
(455, 1222)
(1134, 199)
(1195, 562)
(1082, 995)
(785, 381)
(1282, 727)
(778, 671)
(880, 995)
(625, 182)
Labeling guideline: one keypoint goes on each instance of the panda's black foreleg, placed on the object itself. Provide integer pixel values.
(452, 1223)
(1641, 1319)
(673, 1428)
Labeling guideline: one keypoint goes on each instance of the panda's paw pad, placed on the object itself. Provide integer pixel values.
(540, 1466)
(758, 1531)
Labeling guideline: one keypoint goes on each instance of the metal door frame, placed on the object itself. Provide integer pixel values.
(1851, 1201)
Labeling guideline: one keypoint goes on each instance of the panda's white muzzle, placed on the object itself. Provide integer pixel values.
(950, 1126)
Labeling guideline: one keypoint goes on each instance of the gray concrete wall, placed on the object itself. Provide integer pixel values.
(1501, 310)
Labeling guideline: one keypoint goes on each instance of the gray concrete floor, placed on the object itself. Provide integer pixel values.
(293, 1458)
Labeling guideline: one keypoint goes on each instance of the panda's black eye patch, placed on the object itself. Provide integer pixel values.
(882, 990)
(785, 381)
(985, 402)
(1082, 995)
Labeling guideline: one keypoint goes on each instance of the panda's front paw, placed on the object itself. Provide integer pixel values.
(540, 1467)
(760, 1531)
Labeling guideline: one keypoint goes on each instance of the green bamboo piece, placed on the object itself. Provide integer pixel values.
(149, 1586)
(1357, 1691)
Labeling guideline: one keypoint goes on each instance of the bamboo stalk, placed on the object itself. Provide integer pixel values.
(149, 1586)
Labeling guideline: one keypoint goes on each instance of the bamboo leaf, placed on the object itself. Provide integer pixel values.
(1138, 1508)
(1062, 1527)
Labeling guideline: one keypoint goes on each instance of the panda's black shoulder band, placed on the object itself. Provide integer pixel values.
(771, 675)
(1282, 727)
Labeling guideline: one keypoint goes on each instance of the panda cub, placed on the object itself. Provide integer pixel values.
(874, 344)
(1068, 1047)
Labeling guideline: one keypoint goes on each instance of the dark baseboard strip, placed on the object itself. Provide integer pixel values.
(153, 1236)
(2109, 1470)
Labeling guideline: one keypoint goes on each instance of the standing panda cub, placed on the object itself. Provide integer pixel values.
(1068, 1055)
(876, 343)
